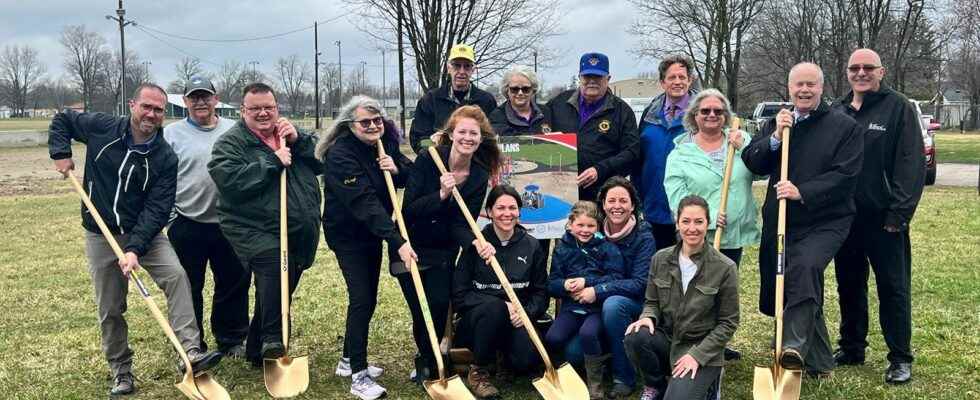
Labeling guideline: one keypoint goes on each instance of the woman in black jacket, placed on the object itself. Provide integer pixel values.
(357, 218)
(520, 114)
(435, 222)
(489, 322)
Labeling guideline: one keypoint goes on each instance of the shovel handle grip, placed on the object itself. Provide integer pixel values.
(729, 157)
(499, 271)
(144, 293)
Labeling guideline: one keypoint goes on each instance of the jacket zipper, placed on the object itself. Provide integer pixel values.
(115, 201)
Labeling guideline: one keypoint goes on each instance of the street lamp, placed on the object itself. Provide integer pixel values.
(340, 76)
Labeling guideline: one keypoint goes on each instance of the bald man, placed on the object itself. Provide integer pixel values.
(890, 186)
(824, 160)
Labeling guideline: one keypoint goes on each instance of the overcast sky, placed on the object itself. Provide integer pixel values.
(589, 25)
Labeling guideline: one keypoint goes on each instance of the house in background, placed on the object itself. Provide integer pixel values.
(955, 106)
(176, 109)
(636, 88)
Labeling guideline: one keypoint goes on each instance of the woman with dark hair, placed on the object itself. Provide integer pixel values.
(357, 218)
(489, 322)
(438, 228)
(690, 313)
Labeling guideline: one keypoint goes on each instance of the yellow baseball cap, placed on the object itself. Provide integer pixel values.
(462, 51)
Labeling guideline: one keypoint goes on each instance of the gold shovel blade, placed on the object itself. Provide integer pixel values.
(787, 387)
(210, 388)
(285, 376)
(450, 389)
(188, 387)
(569, 385)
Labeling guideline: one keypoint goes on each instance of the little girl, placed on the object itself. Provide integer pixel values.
(581, 265)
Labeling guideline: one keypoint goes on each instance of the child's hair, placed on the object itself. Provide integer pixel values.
(693, 200)
(584, 208)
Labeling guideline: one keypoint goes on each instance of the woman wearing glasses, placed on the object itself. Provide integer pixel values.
(357, 218)
(520, 114)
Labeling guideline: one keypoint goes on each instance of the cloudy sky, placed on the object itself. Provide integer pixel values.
(588, 25)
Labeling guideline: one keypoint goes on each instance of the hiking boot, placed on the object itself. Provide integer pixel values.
(479, 382)
(594, 370)
(200, 362)
(236, 352)
(791, 359)
(343, 369)
(364, 387)
(122, 385)
(273, 350)
(649, 393)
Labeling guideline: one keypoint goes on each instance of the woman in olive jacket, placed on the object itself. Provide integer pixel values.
(690, 314)
(357, 218)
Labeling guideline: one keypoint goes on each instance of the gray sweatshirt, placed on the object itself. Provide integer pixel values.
(197, 195)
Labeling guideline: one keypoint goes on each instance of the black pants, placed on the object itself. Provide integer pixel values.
(361, 270)
(650, 355)
(437, 282)
(664, 234)
(486, 330)
(266, 325)
(890, 256)
(198, 244)
(733, 254)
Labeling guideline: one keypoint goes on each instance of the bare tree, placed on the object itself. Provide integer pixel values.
(230, 80)
(964, 64)
(20, 72)
(85, 53)
(109, 80)
(293, 75)
(186, 68)
(330, 86)
(502, 32)
(56, 94)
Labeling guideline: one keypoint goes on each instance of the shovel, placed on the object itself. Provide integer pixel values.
(442, 388)
(556, 384)
(202, 387)
(726, 181)
(776, 383)
(285, 376)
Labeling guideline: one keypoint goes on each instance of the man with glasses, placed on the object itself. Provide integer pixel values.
(435, 107)
(890, 186)
(130, 176)
(246, 163)
(605, 125)
(194, 231)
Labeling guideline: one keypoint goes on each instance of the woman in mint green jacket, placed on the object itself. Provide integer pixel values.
(697, 166)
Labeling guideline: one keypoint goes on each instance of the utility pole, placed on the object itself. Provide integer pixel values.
(384, 99)
(316, 73)
(121, 13)
(146, 69)
(401, 70)
(535, 61)
(255, 75)
(340, 77)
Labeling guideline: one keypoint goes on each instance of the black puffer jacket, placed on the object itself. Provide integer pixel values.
(133, 189)
(524, 262)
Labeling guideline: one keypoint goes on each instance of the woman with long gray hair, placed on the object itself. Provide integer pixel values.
(357, 218)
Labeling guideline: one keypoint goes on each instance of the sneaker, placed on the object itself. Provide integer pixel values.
(236, 352)
(649, 393)
(898, 373)
(273, 350)
(201, 362)
(122, 385)
(365, 388)
(343, 369)
(479, 382)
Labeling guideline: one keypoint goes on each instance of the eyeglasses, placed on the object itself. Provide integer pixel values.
(708, 111)
(463, 66)
(858, 67)
(367, 122)
(258, 110)
(200, 98)
(520, 89)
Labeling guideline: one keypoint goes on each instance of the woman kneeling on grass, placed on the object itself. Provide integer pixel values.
(489, 322)
(681, 354)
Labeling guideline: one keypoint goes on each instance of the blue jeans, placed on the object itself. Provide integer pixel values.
(617, 313)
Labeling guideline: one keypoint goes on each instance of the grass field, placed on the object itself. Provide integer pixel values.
(954, 147)
(50, 342)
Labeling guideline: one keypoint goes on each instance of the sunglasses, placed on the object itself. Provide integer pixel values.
(858, 67)
(708, 111)
(463, 66)
(367, 122)
(520, 89)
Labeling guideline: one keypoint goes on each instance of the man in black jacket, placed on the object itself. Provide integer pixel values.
(890, 186)
(824, 161)
(608, 143)
(130, 175)
(435, 107)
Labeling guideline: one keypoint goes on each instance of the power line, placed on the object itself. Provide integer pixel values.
(140, 27)
(251, 39)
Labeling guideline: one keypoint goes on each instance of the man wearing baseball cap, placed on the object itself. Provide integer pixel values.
(434, 108)
(194, 232)
(605, 124)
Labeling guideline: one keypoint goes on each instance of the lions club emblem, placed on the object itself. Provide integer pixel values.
(594, 61)
(604, 126)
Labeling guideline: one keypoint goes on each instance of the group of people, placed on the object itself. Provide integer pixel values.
(641, 290)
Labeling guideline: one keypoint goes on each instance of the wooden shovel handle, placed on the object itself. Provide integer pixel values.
(499, 271)
(144, 293)
(726, 181)
(414, 271)
(781, 250)
(283, 255)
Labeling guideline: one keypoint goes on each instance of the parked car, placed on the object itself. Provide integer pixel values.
(765, 111)
(928, 125)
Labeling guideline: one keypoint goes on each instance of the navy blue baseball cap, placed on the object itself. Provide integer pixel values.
(593, 64)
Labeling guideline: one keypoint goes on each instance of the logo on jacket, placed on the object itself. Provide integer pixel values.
(545, 128)
(522, 259)
(604, 126)
(350, 181)
(875, 127)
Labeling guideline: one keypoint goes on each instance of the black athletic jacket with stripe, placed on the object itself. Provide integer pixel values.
(133, 189)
